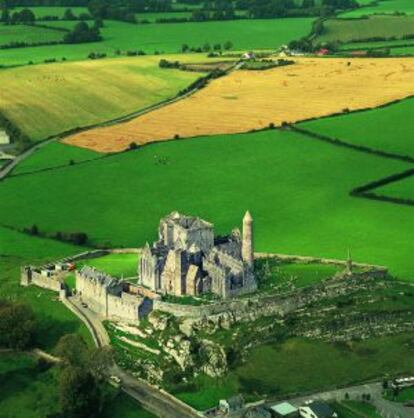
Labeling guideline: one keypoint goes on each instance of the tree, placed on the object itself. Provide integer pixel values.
(68, 15)
(34, 230)
(5, 16)
(184, 48)
(27, 16)
(82, 33)
(228, 45)
(17, 325)
(100, 361)
(72, 349)
(79, 393)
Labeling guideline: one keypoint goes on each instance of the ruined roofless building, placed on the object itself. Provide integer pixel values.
(188, 260)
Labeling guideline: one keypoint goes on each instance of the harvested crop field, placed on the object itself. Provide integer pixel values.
(246, 100)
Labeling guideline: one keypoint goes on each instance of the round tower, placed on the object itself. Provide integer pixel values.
(247, 244)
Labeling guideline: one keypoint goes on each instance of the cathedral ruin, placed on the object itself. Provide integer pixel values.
(188, 260)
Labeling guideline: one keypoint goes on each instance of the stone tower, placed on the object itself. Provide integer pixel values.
(247, 245)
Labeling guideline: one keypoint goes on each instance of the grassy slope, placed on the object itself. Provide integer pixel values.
(383, 129)
(383, 26)
(296, 188)
(49, 99)
(270, 368)
(169, 37)
(55, 155)
(382, 7)
(31, 34)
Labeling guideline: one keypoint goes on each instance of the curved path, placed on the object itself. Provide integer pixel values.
(155, 400)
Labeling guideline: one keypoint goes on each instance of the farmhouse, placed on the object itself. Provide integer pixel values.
(284, 410)
(317, 409)
(188, 260)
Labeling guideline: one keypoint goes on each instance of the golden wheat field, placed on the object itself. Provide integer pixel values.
(246, 100)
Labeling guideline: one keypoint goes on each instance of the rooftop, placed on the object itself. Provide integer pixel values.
(187, 222)
(284, 408)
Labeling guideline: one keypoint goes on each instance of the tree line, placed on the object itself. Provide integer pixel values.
(126, 10)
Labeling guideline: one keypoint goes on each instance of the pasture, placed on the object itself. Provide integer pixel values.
(381, 7)
(296, 187)
(55, 155)
(117, 265)
(384, 129)
(246, 100)
(168, 38)
(27, 34)
(46, 100)
(403, 189)
(341, 30)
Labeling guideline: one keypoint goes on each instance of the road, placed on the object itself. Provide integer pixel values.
(386, 408)
(155, 400)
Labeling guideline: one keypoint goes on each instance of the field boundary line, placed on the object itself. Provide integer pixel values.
(198, 85)
(362, 148)
(365, 190)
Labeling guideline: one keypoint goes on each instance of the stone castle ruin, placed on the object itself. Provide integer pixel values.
(188, 260)
(110, 297)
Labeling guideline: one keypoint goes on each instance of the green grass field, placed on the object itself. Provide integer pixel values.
(43, 11)
(355, 409)
(297, 189)
(380, 44)
(407, 51)
(29, 34)
(279, 276)
(403, 189)
(48, 99)
(118, 265)
(168, 38)
(405, 395)
(152, 17)
(376, 26)
(271, 368)
(381, 7)
(383, 129)
(55, 154)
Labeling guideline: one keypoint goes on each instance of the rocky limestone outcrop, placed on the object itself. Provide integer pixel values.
(214, 359)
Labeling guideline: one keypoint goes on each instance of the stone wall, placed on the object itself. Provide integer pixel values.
(124, 307)
(42, 278)
(266, 305)
(308, 259)
(52, 283)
